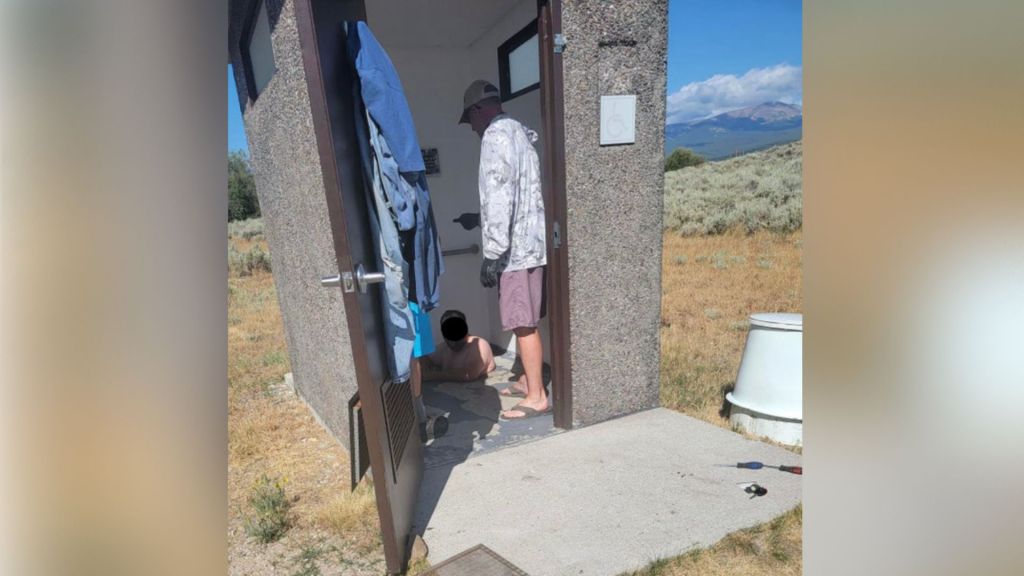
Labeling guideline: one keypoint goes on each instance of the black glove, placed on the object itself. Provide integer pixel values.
(468, 220)
(489, 271)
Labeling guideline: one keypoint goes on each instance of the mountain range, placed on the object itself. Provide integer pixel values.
(737, 131)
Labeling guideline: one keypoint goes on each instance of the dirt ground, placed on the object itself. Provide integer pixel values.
(271, 432)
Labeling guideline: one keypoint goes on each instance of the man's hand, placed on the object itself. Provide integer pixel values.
(489, 271)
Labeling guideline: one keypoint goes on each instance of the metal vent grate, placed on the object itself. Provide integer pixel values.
(476, 561)
(399, 418)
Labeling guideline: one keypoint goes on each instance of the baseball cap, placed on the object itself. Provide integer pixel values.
(477, 92)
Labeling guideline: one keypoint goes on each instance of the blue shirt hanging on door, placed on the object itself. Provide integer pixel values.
(409, 197)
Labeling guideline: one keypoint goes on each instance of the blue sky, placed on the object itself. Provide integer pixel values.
(236, 132)
(722, 55)
(708, 37)
(729, 54)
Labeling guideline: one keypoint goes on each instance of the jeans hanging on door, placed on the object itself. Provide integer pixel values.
(398, 319)
(396, 192)
(381, 92)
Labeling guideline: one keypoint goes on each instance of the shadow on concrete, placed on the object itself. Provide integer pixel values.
(472, 409)
(474, 428)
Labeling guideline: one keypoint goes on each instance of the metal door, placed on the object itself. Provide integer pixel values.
(392, 437)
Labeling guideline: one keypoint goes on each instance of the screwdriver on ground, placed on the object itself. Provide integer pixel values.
(759, 465)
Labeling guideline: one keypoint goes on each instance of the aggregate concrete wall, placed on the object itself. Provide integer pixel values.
(289, 183)
(614, 205)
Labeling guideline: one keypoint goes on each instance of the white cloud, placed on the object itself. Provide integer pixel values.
(724, 92)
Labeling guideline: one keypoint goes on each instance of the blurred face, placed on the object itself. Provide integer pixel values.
(455, 332)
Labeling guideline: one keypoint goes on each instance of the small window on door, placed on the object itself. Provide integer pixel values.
(257, 51)
(519, 63)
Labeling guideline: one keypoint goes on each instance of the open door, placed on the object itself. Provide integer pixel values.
(392, 437)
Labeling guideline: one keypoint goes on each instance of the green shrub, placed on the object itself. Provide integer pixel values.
(682, 158)
(269, 518)
(242, 201)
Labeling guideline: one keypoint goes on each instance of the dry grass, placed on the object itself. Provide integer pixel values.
(774, 548)
(710, 286)
(354, 518)
(271, 432)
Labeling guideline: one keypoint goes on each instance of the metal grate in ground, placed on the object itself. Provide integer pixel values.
(477, 561)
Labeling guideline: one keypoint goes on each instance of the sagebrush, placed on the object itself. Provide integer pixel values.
(757, 191)
(246, 262)
(248, 229)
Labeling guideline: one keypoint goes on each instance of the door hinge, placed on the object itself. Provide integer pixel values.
(559, 43)
(556, 235)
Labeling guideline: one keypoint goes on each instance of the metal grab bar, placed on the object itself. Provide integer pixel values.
(474, 249)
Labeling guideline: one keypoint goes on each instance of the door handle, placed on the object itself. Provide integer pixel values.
(364, 278)
(344, 279)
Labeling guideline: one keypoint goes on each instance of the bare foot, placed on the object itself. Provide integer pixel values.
(515, 414)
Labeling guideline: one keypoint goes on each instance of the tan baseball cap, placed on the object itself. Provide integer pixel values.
(477, 92)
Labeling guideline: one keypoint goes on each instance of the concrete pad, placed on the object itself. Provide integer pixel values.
(606, 498)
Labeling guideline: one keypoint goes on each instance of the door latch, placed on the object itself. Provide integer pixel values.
(556, 235)
(344, 280)
(559, 43)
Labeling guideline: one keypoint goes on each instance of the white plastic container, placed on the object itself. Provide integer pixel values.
(768, 397)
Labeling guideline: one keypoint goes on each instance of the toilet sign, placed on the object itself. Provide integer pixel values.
(618, 119)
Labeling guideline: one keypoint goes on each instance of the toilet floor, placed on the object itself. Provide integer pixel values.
(472, 409)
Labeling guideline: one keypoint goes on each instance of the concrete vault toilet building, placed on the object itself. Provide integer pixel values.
(588, 76)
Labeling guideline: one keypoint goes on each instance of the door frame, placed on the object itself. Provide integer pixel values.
(552, 104)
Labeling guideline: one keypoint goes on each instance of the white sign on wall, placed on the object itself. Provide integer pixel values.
(618, 119)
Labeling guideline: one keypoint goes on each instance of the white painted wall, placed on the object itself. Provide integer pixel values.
(434, 80)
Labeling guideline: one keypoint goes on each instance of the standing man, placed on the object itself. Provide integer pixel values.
(512, 224)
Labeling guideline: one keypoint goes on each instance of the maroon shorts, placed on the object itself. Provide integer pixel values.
(521, 298)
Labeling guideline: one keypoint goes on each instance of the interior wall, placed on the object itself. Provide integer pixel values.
(434, 79)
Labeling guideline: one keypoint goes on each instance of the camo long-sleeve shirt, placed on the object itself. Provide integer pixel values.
(511, 204)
